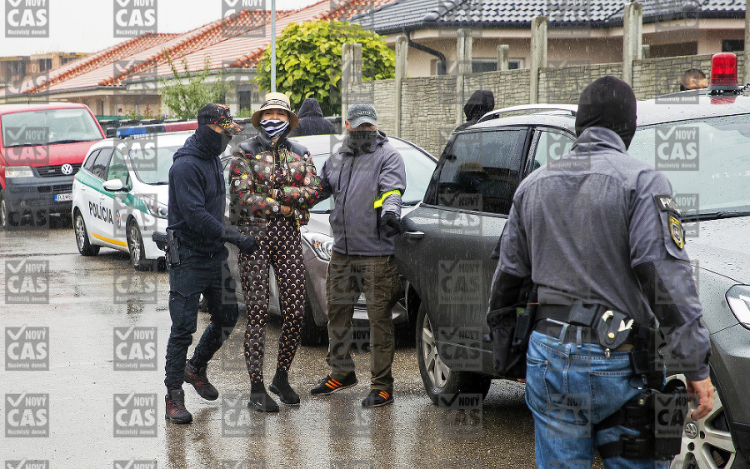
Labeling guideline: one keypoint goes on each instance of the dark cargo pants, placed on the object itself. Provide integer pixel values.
(348, 277)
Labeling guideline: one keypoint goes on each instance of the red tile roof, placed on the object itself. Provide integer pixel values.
(223, 47)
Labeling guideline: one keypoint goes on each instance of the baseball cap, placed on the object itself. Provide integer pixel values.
(361, 113)
(218, 114)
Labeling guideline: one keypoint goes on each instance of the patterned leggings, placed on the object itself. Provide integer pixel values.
(281, 247)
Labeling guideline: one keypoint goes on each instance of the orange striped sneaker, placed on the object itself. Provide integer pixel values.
(377, 398)
(329, 385)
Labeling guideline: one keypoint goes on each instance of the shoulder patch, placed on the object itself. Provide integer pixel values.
(667, 204)
(677, 232)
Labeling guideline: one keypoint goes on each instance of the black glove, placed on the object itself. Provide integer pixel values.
(246, 244)
(392, 223)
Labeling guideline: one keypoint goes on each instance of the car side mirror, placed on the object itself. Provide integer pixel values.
(115, 185)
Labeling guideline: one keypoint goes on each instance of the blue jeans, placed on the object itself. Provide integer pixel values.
(198, 273)
(570, 388)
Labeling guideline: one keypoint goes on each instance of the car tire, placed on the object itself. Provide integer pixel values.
(311, 334)
(82, 237)
(707, 442)
(436, 376)
(136, 249)
(4, 213)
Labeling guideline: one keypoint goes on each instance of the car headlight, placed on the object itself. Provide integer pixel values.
(18, 172)
(738, 298)
(156, 209)
(322, 244)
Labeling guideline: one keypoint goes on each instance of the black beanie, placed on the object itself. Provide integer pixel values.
(610, 103)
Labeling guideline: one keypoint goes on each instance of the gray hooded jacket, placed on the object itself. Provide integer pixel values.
(357, 182)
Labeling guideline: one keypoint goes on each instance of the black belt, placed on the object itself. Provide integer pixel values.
(587, 334)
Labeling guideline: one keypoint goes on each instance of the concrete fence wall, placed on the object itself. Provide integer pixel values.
(429, 104)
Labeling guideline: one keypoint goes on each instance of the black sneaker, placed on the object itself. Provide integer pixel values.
(199, 380)
(377, 398)
(260, 400)
(329, 385)
(176, 411)
(280, 386)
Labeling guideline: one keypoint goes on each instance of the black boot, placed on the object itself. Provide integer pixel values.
(260, 400)
(176, 411)
(280, 386)
(197, 377)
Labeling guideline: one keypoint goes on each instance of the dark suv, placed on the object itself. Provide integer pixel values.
(701, 142)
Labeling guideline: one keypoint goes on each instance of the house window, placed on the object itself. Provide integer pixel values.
(732, 45)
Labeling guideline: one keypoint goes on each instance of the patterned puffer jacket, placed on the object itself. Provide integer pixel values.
(252, 180)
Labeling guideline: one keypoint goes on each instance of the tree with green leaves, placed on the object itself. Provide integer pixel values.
(186, 93)
(308, 61)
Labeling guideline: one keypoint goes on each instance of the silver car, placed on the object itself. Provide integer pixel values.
(317, 240)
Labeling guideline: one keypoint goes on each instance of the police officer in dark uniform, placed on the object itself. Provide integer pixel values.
(198, 258)
(600, 237)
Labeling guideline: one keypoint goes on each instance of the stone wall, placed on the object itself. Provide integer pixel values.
(430, 104)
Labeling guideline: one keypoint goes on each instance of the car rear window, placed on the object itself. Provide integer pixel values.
(49, 127)
(707, 161)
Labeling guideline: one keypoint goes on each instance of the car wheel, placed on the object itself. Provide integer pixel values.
(4, 213)
(136, 248)
(311, 334)
(82, 237)
(436, 375)
(706, 443)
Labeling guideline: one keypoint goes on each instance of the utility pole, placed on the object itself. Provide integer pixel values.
(273, 46)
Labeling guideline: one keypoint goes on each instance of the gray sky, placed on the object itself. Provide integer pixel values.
(88, 25)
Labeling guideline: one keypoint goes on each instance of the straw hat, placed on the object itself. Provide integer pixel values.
(276, 101)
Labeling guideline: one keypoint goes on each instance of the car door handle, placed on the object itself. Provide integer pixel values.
(414, 234)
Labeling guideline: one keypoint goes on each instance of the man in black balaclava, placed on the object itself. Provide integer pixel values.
(196, 216)
(480, 103)
(610, 103)
(600, 236)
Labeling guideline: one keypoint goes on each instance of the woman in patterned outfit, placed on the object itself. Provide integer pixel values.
(273, 183)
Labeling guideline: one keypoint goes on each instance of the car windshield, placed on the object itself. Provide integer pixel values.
(48, 127)
(707, 162)
(419, 169)
(152, 167)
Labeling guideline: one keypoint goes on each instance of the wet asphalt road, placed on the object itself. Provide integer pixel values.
(101, 315)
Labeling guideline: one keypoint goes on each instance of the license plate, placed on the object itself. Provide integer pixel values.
(63, 197)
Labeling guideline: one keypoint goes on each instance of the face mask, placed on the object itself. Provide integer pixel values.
(274, 128)
(214, 143)
(360, 141)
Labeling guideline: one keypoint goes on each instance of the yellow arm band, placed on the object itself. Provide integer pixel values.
(379, 202)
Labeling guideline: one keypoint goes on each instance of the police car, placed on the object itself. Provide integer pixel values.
(699, 139)
(120, 194)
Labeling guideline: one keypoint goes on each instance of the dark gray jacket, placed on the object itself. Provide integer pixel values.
(356, 183)
(598, 225)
